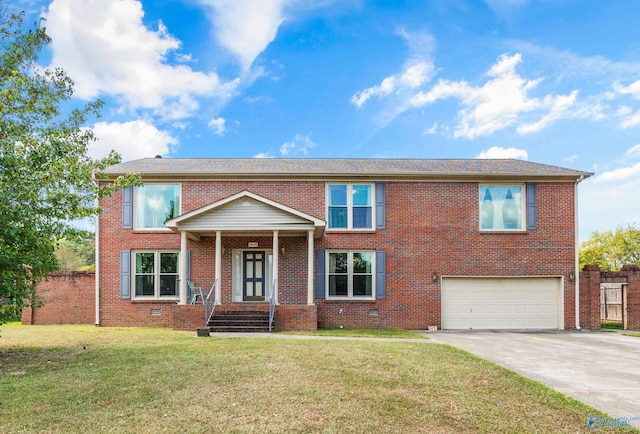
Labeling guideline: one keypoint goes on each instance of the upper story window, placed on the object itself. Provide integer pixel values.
(155, 204)
(156, 274)
(350, 275)
(350, 206)
(502, 207)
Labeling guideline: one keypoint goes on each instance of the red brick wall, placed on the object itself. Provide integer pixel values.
(69, 298)
(590, 297)
(430, 227)
(296, 317)
(590, 279)
(633, 296)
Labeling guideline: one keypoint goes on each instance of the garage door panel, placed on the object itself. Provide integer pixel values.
(501, 303)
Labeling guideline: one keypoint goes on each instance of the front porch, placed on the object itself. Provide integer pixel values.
(262, 257)
(288, 317)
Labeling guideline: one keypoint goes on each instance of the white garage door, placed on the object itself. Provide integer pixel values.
(502, 303)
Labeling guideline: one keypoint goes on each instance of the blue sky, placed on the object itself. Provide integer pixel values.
(550, 81)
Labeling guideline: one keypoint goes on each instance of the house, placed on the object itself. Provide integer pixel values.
(393, 243)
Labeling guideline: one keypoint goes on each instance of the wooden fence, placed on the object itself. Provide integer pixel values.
(611, 302)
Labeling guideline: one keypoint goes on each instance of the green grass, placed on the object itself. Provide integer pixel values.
(85, 379)
(634, 335)
(363, 333)
(611, 325)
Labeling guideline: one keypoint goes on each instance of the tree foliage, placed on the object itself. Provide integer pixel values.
(611, 250)
(45, 173)
(77, 254)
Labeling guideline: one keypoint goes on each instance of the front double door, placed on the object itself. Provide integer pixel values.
(254, 276)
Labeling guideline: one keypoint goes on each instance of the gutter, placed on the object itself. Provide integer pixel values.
(576, 282)
(97, 257)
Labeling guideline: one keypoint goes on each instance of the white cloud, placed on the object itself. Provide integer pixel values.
(633, 152)
(633, 89)
(500, 102)
(299, 145)
(263, 155)
(218, 125)
(132, 140)
(246, 27)
(105, 47)
(498, 152)
(286, 147)
(608, 200)
(631, 121)
(609, 196)
(433, 129)
(619, 174)
(417, 71)
(571, 158)
(559, 106)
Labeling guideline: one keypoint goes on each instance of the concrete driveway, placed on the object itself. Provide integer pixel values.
(599, 369)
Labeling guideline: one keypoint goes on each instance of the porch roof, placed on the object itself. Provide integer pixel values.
(243, 214)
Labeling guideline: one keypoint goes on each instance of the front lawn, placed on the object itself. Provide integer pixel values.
(362, 333)
(88, 379)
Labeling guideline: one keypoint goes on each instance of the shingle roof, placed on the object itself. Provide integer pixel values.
(332, 168)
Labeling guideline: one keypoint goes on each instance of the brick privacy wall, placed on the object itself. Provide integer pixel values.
(590, 279)
(69, 298)
(430, 227)
(590, 297)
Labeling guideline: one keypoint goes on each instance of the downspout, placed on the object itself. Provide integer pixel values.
(576, 273)
(97, 256)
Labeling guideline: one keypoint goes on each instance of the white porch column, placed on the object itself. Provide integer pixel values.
(183, 268)
(310, 267)
(218, 271)
(276, 252)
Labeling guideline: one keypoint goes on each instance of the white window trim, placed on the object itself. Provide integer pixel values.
(350, 227)
(135, 207)
(523, 206)
(156, 268)
(350, 276)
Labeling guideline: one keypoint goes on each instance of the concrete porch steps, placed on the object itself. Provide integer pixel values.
(239, 321)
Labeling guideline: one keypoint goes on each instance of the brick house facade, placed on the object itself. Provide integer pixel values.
(355, 243)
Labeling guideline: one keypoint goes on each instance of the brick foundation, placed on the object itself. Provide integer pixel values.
(296, 317)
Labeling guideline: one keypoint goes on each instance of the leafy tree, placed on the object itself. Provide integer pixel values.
(611, 250)
(45, 173)
(77, 254)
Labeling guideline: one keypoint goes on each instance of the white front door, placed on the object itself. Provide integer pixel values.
(252, 275)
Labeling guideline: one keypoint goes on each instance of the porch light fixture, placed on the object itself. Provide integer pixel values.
(572, 276)
(434, 277)
(282, 250)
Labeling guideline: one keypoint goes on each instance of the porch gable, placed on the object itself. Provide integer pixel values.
(246, 212)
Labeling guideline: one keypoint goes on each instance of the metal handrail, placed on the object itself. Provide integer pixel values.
(210, 305)
(272, 304)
